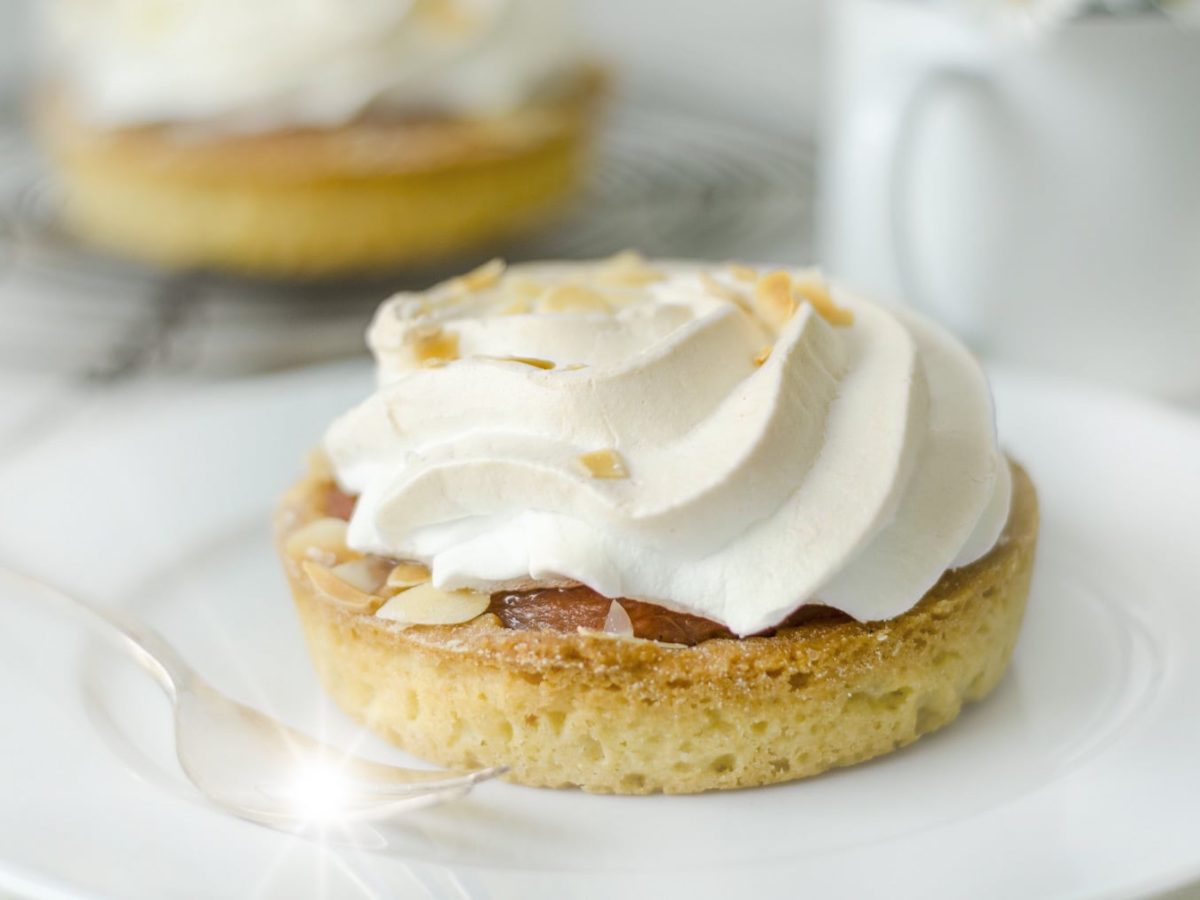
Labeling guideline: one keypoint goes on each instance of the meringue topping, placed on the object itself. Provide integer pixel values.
(851, 465)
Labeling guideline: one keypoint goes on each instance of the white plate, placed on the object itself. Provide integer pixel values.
(1078, 778)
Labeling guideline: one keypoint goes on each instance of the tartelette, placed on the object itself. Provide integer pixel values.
(286, 138)
(659, 526)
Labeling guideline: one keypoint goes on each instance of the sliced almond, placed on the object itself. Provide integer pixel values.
(428, 605)
(627, 269)
(367, 574)
(743, 273)
(340, 592)
(606, 463)
(319, 465)
(763, 355)
(814, 289)
(481, 278)
(433, 346)
(406, 575)
(617, 621)
(321, 540)
(528, 361)
(773, 299)
(572, 298)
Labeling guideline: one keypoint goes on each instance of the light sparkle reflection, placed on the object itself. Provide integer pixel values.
(319, 792)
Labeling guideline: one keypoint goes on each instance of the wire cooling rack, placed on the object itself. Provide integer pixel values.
(665, 183)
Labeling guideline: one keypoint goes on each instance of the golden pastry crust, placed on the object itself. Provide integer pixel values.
(630, 716)
(372, 194)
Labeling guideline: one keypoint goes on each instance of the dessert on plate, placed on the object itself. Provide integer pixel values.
(289, 138)
(659, 526)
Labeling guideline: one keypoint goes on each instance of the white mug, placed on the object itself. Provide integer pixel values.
(1041, 197)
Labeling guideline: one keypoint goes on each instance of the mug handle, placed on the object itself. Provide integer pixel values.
(933, 88)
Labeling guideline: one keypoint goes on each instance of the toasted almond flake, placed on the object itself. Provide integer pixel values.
(763, 355)
(606, 463)
(617, 621)
(814, 289)
(319, 466)
(529, 361)
(627, 269)
(406, 575)
(572, 298)
(773, 298)
(428, 605)
(743, 273)
(433, 346)
(322, 539)
(368, 574)
(340, 592)
(481, 278)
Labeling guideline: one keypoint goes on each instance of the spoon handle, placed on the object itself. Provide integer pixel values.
(141, 642)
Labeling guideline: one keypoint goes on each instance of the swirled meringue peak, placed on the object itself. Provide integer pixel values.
(709, 438)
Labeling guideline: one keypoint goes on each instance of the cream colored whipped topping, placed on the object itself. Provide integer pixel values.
(261, 64)
(701, 437)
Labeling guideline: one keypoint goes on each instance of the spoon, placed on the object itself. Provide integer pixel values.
(251, 764)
